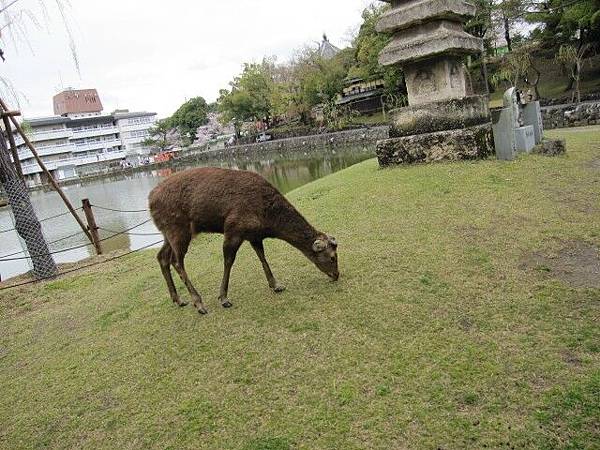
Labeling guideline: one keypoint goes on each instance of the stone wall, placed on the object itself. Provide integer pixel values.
(571, 115)
(306, 144)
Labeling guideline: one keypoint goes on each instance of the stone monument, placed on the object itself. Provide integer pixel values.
(444, 120)
(517, 127)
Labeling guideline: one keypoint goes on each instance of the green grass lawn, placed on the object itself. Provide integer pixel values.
(459, 321)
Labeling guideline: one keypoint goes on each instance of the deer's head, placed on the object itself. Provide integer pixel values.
(324, 255)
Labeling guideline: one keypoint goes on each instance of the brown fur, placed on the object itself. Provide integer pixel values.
(242, 206)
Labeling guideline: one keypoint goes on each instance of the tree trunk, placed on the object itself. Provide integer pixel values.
(507, 34)
(535, 83)
(26, 222)
(570, 85)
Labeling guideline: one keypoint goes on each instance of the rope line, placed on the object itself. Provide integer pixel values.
(59, 215)
(130, 234)
(44, 220)
(49, 243)
(120, 210)
(84, 267)
(64, 250)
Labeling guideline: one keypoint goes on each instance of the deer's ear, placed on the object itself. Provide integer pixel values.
(333, 242)
(319, 245)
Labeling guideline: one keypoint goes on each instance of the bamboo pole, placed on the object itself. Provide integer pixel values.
(47, 172)
(11, 142)
(89, 215)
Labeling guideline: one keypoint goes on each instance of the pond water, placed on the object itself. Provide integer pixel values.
(131, 192)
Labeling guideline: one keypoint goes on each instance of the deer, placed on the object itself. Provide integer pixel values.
(241, 205)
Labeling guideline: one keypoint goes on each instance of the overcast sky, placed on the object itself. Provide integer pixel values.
(151, 55)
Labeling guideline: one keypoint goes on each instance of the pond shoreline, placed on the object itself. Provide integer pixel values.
(305, 144)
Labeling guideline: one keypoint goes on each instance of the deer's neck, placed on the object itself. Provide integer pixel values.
(295, 229)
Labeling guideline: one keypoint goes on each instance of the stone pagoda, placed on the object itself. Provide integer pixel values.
(444, 120)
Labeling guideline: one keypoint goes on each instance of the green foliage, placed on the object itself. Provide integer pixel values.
(159, 133)
(513, 67)
(27, 128)
(563, 21)
(250, 95)
(368, 45)
(267, 90)
(191, 115)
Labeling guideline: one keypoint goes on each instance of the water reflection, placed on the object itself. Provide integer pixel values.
(130, 192)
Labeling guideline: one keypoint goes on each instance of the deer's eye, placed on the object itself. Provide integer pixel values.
(333, 259)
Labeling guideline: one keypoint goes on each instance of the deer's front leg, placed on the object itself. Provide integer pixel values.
(260, 252)
(231, 244)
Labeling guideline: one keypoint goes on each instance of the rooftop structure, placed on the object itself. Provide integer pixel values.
(76, 102)
(362, 96)
(327, 50)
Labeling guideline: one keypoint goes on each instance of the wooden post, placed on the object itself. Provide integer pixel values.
(47, 172)
(11, 141)
(92, 227)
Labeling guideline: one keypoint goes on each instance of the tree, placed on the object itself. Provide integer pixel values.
(573, 58)
(481, 23)
(159, 134)
(191, 115)
(518, 66)
(368, 44)
(564, 21)
(235, 107)
(250, 95)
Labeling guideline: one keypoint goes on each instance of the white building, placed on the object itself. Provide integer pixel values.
(134, 130)
(76, 144)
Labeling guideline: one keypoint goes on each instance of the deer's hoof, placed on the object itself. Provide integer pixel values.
(227, 304)
(180, 303)
(279, 288)
(202, 310)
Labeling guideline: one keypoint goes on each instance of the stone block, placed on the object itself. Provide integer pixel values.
(503, 123)
(532, 115)
(524, 138)
(416, 12)
(427, 40)
(453, 145)
(439, 116)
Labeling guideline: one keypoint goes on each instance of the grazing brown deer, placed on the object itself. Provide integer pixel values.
(241, 205)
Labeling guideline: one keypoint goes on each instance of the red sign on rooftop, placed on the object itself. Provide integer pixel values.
(78, 101)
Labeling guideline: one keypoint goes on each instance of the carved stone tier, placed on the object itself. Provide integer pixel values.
(439, 116)
(410, 13)
(428, 40)
(450, 145)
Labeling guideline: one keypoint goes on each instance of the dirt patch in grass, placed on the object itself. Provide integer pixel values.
(571, 358)
(577, 264)
(594, 164)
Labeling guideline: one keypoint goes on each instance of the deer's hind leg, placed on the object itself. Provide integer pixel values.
(164, 257)
(180, 242)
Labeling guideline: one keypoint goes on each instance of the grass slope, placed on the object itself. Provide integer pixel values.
(436, 336)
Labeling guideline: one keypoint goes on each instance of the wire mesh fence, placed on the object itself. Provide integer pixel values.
(27, 225)
(111, 234)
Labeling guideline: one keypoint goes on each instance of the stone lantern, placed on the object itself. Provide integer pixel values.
(444, 120)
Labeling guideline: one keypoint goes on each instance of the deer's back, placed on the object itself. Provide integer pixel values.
(207, 198)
